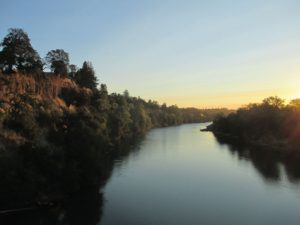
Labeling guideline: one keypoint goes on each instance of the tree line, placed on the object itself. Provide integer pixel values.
(270, 123)
(17, 54)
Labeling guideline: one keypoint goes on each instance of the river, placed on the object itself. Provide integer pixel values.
(181, 176)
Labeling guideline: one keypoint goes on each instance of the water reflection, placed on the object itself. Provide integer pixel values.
(181, 171)
(184, 176)
(272, 165)
(85, 208)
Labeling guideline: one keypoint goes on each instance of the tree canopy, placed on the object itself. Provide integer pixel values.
(58, 61)
(269, 122)
(86, 76)
(18, 53)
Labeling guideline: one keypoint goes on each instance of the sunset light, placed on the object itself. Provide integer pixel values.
(150, 112)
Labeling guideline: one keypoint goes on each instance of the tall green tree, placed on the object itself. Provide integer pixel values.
(103, 101)
(58, 62)
(86, 76)
(18, 53)
(141, 122)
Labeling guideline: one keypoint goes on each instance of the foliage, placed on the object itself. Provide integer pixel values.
(85, 76)
(268, 122)
(18, 53)
(58, 61)
(21, 117)
(48, 151)
(73, 71)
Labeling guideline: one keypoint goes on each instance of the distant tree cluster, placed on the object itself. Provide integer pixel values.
(269, 122)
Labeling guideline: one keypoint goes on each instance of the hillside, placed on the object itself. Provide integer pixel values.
(43, 87)
(57, 138)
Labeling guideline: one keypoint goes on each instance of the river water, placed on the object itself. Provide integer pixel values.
(181, 176)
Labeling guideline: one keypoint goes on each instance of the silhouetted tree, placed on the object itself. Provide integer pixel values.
(295, 103)
(17, 52)
(58, 61)
(267, 123)
(73, 70)
(274, 101)
(126, 94)
(86, 76)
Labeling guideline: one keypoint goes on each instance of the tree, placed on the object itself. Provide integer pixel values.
(273, 101)
(295, 103)
(126, 94)
(86, 76)
(21, 117)
(120, 119)
(18, 53)
(141, 122)
(73, 70)
(102, 105)
(103, 101)
(58, 61)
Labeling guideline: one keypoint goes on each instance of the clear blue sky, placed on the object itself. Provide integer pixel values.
(189, 53)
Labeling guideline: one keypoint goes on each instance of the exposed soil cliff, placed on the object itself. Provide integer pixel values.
(42, 87)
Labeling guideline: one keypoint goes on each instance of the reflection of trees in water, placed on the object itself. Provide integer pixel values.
(120, 156)
(84, 208)
(268, 162)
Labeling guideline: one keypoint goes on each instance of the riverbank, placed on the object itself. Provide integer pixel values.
(268, 143)
(271, 124)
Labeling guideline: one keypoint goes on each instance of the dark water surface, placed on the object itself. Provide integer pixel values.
(181, 176)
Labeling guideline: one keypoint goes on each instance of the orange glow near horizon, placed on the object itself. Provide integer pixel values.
(230, 100)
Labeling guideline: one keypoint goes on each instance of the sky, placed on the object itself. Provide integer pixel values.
(218, 53)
